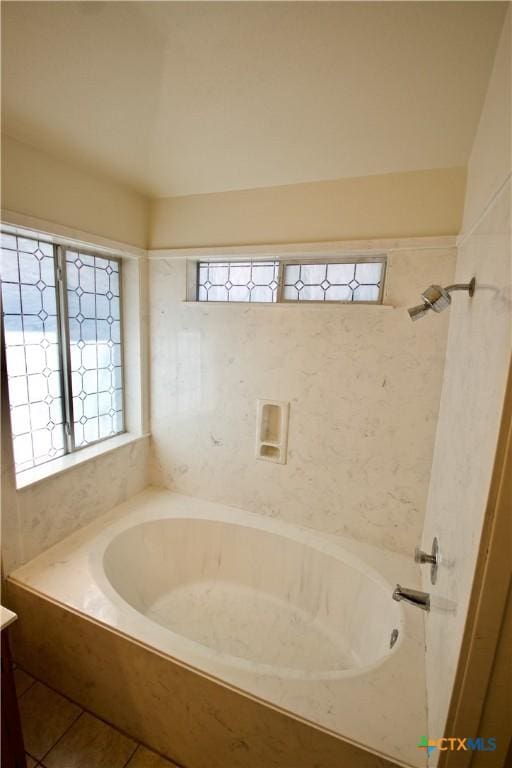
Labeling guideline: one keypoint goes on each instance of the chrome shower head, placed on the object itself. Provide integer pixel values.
(437, 298)
(416, 313)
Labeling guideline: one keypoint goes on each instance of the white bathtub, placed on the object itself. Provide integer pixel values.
(292, 616)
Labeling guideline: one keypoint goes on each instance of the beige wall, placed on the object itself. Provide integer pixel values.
(490, 163)
(418, 203)
(477, 360)
(39, 185)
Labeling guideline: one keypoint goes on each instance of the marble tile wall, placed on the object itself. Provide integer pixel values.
(36, 517)
(478, 356)
(477, 362)
(363, 384)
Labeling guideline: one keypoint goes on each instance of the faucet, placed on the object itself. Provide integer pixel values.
(412, 596)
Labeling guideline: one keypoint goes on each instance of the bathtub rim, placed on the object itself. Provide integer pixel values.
(198, 651)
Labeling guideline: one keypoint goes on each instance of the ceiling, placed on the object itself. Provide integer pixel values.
(178, 98)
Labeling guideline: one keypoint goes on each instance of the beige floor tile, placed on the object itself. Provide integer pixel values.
(144, 758)
(31, 763)
(22, 681)
(90, 743)
(45, 715)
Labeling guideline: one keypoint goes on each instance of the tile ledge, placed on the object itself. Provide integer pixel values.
(7, 617)
(335, 305)
(31, 477)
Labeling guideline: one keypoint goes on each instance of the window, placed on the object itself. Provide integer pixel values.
(62, 327)
(238, 281)
(339, 280)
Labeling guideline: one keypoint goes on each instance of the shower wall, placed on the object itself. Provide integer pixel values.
(363, 383)
(477, 361)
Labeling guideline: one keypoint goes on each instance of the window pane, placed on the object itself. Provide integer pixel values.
(338, 293)
(247, 281)
(218, 274)
(368, 274)
(313, 274)
(31, 341)
(311, 293)
(366, 293)
(340, 274)
(240, 274)
(348, 282)
(261, 293)
(95, 346)
(290, 293)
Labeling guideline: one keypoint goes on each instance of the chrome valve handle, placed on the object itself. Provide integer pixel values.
(434, 559)
(423, 557)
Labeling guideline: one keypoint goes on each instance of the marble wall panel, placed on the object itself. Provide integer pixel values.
(363, 383)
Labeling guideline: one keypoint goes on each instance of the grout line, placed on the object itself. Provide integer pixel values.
(77, 718)
(39, 764)
(125, 765)
(34, 681)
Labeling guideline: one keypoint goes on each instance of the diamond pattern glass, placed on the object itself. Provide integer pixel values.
(251, 281)
(348, 282)
(259, 281)
(94, 319)
(47, 376)
(32, 350)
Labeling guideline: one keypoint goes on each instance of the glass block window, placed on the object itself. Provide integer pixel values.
(253, 281)
(62, 331)
(343, 281)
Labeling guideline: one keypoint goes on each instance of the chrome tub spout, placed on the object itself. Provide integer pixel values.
(412, 596)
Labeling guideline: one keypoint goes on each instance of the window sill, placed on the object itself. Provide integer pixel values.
(300, 304)
(50, 469)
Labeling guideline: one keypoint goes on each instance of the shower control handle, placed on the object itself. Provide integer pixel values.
(423, 557)
(433, 558)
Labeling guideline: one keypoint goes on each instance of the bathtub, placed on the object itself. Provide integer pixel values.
(297, 619)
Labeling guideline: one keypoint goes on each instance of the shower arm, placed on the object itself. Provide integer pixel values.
(469, 287)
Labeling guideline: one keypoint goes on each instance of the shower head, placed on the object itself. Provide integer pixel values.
(437, 298)
(415, 313)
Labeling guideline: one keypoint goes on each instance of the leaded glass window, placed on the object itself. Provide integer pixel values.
(34, 365)
(253, 281)
(94, 322)
(342, 281)
(62, 330)
(345, 282)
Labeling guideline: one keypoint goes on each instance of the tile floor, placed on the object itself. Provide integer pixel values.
(59, 734)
